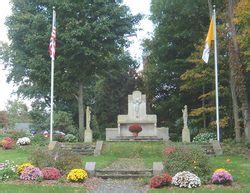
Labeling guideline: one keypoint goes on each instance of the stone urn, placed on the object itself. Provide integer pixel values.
(135, 129)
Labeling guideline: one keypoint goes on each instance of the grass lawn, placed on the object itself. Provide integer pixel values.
(24, 188)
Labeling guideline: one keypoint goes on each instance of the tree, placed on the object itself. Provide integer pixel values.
(172, 43)
(17, 113)
(89, 35)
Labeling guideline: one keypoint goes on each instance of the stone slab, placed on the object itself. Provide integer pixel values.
(163, 132)
(157, 168)
(52, 145)
(185, 135)
(217, 147)
(90, 167)
(98, 148)
(88, 136)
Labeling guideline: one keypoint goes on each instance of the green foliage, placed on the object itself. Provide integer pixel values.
(70, 138)
(204, 137)
(64, 161)
(188, 159)
(40, 140)
(17, 113)
(63, 122)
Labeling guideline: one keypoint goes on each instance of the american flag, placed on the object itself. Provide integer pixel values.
(52, 44)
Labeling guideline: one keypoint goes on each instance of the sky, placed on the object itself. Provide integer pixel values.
(136, 6)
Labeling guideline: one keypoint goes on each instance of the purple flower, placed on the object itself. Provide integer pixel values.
(222, 177)
(31, 173)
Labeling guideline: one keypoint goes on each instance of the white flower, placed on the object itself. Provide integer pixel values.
(186, 179)
(23, 141)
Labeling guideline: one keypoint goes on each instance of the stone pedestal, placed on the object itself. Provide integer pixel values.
(185, 135)
(88, 136)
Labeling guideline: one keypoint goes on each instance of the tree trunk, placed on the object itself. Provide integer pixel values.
(203, 105)
(81, 112)
(235, 109)
(237, 71)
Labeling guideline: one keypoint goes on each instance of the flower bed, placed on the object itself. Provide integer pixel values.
(50, 173)
(22, 167)
(23, 141)
(7, 170)
(222, 176)
(77, 175)
(186, 179)
(160, 181)
(7, 143)
(31, 173)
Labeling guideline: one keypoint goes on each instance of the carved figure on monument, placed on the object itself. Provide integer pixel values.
(137, 103)
(185, 116)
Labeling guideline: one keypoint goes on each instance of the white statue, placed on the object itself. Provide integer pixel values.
(137, 103)
(185, 116)
(88, 117)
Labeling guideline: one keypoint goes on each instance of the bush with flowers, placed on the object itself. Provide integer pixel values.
(135, 129)
(21, 167)
(186, 179)
(50, 173)
(7, 170)
(31, 173)
(160, 181)
(23, 141)
(222, 176)
(7, 143)
(77, 175)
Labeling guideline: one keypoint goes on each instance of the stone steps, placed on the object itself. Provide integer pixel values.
(79, 148)
(123, 173)
(139, 138)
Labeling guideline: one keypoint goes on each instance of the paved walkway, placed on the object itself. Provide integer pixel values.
(97, 185)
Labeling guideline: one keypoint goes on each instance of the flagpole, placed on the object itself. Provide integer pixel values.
(52, 85)
(216, 77)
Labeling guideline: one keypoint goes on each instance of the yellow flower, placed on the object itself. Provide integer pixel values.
(22, 167)
(77, 175)
(220, 170)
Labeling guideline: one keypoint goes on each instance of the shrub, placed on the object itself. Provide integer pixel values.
(160, 181)
(42, 158)
(59, 137)
(51, 173)
(7, 170)
(204, 137)
(40, 140)
(77, 175)
(23, 141)
(22, 167)
(188, 159)
(222, 176)
(64, 161)
(7, 143)
(31, 173)
(186, 179)
(70, 138)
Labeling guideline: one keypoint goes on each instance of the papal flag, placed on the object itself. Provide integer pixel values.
(210, 37)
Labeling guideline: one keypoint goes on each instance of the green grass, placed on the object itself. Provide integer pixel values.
(18, 155)
(23, 188)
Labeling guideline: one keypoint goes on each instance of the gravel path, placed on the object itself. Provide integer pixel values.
(118, 186)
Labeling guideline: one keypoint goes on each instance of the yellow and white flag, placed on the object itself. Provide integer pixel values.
(210, 37)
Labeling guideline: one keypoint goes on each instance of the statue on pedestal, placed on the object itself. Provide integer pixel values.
(185, 130)
(88, 136)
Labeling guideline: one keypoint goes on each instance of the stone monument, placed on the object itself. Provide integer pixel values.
(88, 136)
(137, 115)
(185, 130)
